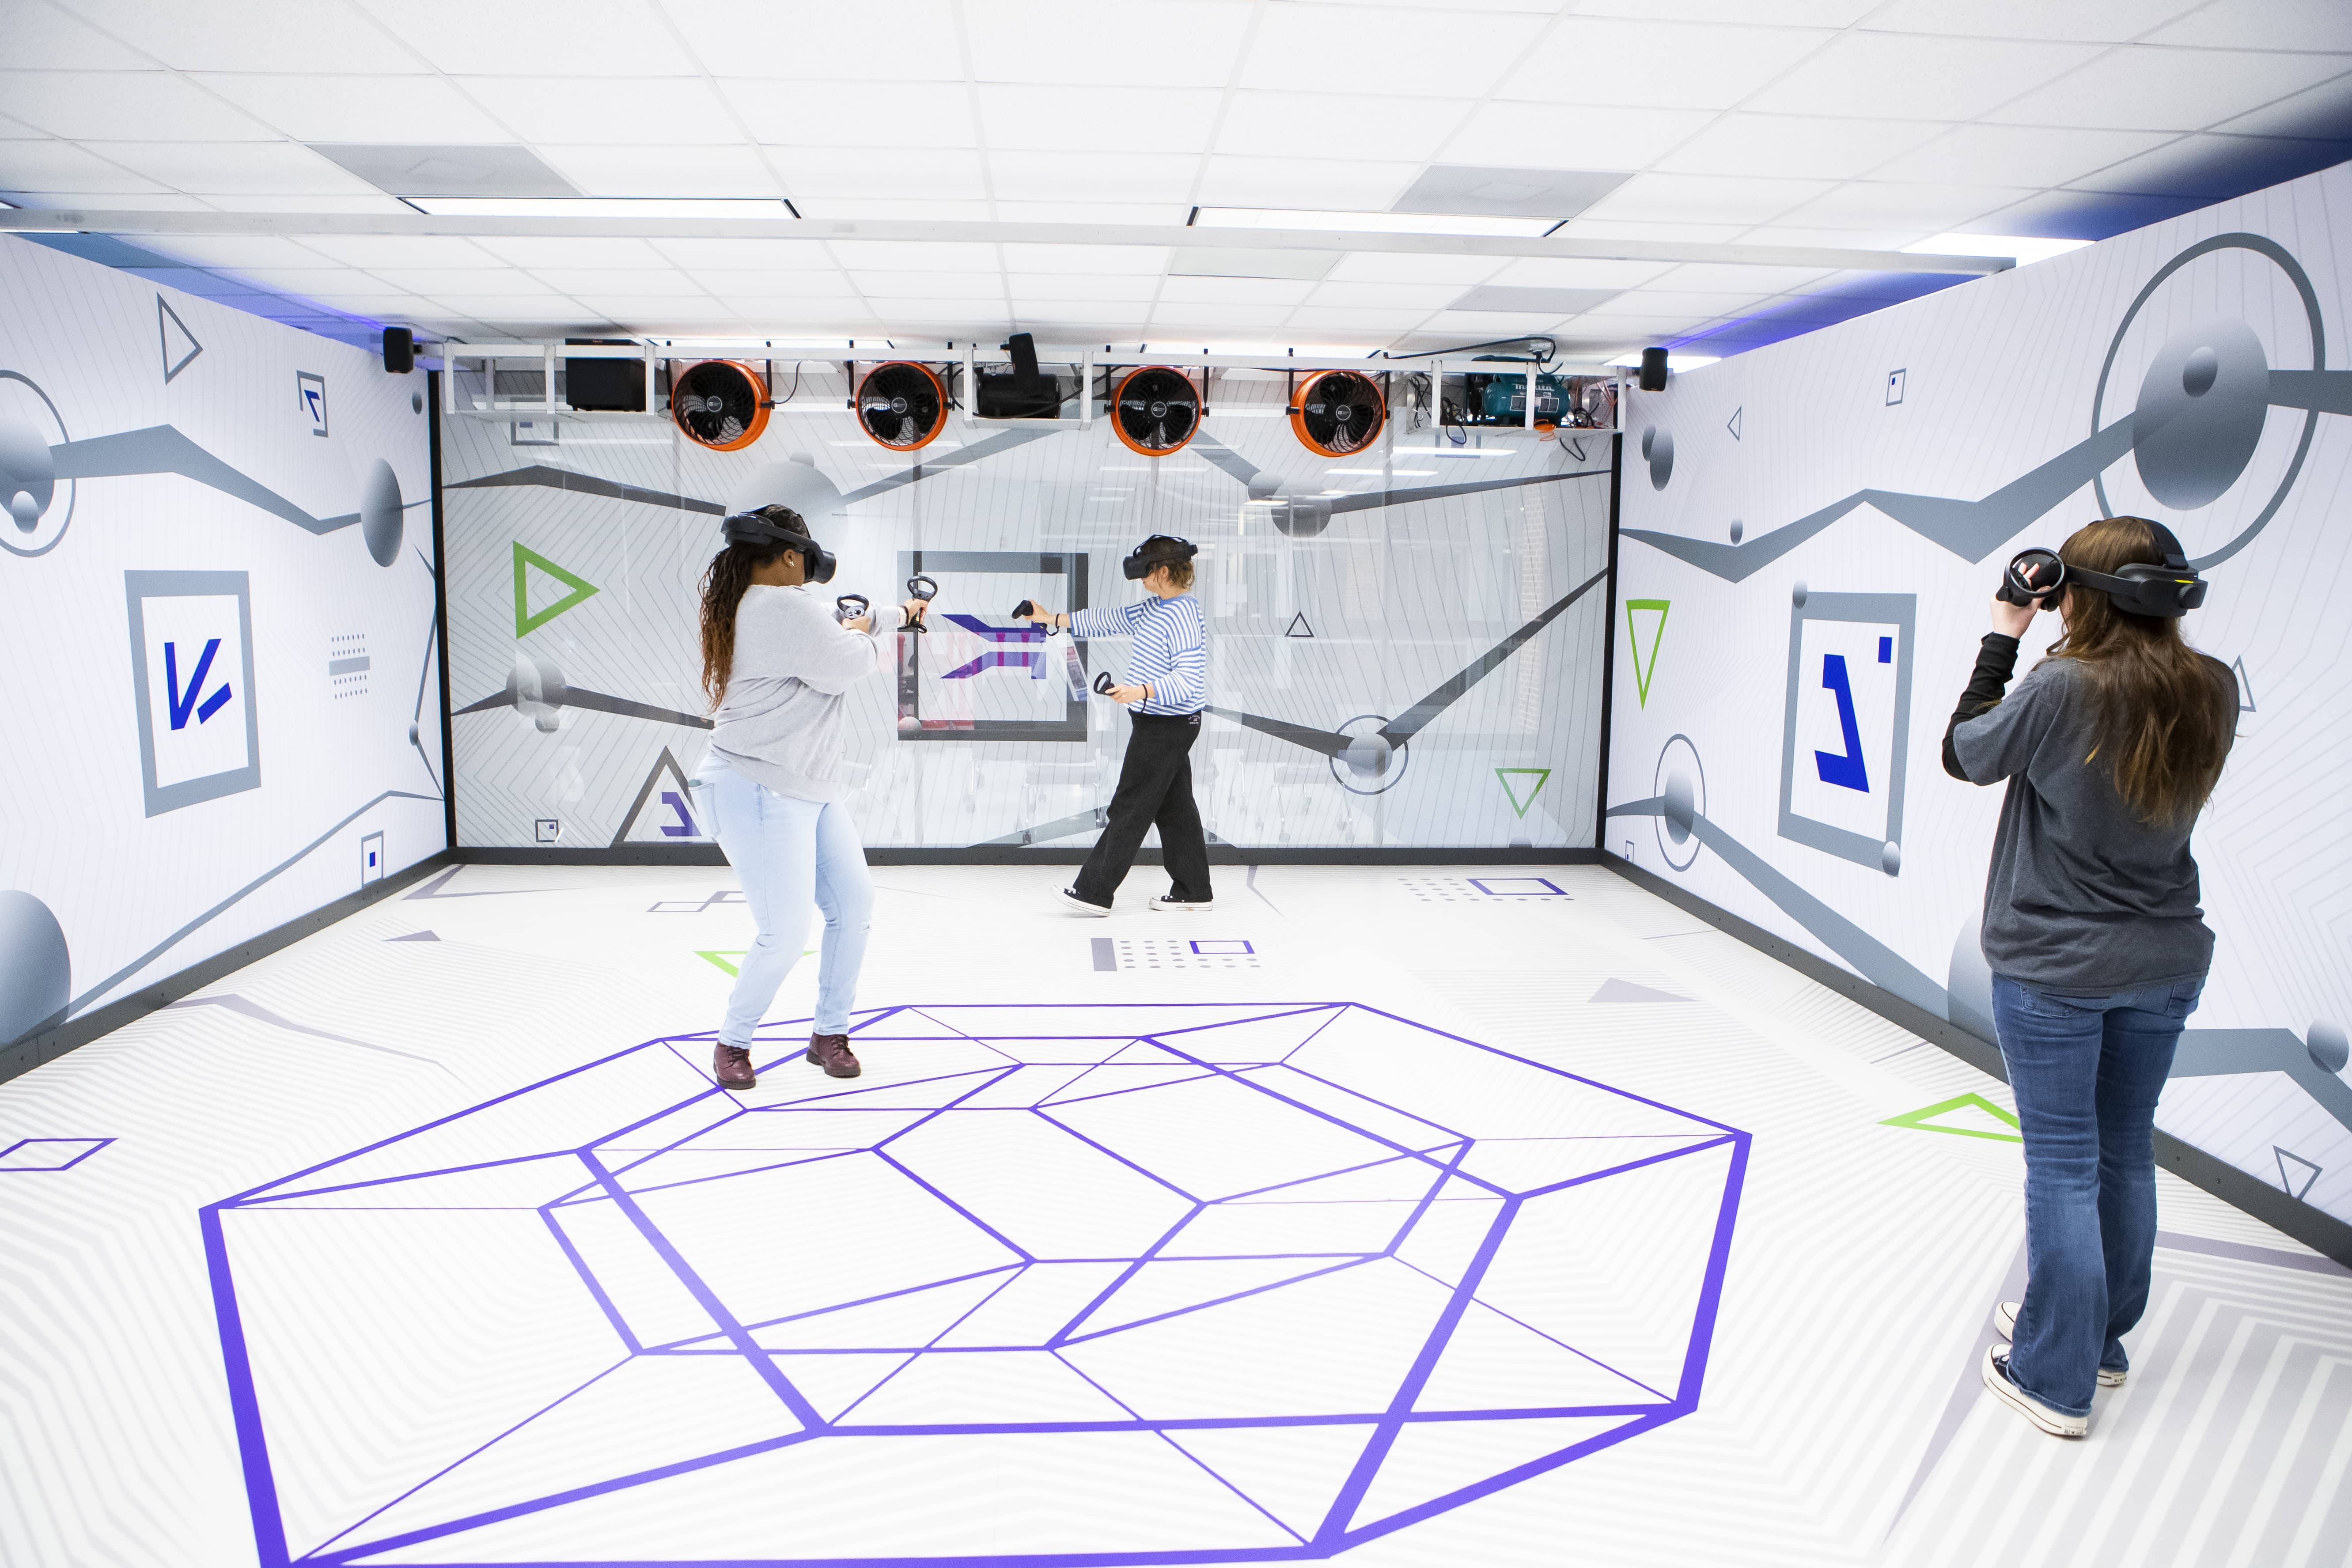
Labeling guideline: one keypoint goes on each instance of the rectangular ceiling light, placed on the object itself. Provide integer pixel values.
(2026, 250)
(413, 169)
(601, 207)
(1372, 222)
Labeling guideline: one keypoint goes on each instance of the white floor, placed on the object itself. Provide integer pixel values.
(1401, 1215)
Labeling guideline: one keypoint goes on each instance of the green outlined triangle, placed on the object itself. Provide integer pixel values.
(723, 957)
(1504, 776)
(1645, 668)
(524, 560)
(1962, 1116)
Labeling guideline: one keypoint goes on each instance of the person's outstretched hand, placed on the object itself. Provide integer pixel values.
(915, 609)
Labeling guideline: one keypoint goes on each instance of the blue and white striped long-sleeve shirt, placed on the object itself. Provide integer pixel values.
(1170, 653)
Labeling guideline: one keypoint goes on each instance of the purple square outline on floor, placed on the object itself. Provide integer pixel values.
(15, 1157)
(1546, 1254)
(1541, 890)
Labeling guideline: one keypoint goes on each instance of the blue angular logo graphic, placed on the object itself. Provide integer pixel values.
(184, 701)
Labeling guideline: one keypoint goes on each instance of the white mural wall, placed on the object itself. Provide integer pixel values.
(1405, 644)
(1813, 532)
(216, 625)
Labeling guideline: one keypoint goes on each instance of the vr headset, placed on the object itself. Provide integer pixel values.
(2170, 587)
(1162, 550)
(761, 531)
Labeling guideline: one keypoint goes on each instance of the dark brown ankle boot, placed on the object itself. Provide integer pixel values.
(731, 1065)
(831, 1052)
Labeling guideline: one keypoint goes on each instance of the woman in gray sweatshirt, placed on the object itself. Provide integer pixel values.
(775, 664)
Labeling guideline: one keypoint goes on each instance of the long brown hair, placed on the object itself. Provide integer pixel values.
(723, 583)
(2162, 711)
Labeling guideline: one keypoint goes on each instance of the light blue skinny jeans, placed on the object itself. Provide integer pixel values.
(789, 853)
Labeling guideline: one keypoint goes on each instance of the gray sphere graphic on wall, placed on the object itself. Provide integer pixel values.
(29, 477)
(33, 514)
(535, 687)
(1658, 447)
(1370, 763)
(2200, 412)
(1680, 781)
(2327, 1045)
(416, 403)
(380, 518)
(35, 972)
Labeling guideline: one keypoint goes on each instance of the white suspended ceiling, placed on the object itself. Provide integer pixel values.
(1842, 124)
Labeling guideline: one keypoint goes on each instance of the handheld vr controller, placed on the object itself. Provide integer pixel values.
(849, 607)
(762, 530)
(1024, 609)
(1103, 683)
(1161, 550)
(2169, 588)
(921, 587)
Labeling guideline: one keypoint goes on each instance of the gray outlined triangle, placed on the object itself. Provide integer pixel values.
(1299, 626)
(176, 355)
(2245, 687)
(1732, 424)
(668, 813)
(2286, 1177)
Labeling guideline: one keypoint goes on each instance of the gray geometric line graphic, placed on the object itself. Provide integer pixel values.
(1966, 1392)
(2246, 1252)
(431, 890)
(2212, 1053)
(539, 474)
(162, 450)
(1085, 821)
(256, 1011)
(174, 365)
(153, 953)
(1262, 487)
(536, 688)
(417, 719)
(1003, 441)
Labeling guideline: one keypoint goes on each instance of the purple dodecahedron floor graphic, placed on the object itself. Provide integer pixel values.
(1082, 1285)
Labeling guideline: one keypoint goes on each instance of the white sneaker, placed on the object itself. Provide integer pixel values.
(1169, 903)
(2004, 1319)
(2057, 1423)
(1071, 903)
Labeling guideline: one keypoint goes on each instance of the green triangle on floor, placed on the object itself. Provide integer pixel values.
(1963, 1116)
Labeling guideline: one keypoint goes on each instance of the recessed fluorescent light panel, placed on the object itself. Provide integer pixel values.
(1367, 223)
(1547, 193)
(691, 208)
(2026, 250)
(402, 169)
(1547, 304)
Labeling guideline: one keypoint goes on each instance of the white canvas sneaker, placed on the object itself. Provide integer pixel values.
(2004, 1319)
(1169, 903)
(2057, 1423)
(1070, 903)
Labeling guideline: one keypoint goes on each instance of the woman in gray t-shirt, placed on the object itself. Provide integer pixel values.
(2097, 946)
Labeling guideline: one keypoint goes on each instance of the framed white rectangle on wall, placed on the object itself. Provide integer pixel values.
(1845, 734)
(192, 679)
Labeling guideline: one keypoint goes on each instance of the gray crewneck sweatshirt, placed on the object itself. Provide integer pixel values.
(780, 723)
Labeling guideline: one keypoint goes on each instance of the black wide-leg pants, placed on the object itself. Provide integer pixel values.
(1155, 785)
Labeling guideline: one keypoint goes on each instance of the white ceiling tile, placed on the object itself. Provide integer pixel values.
(695, 305)
(2211, 167)
(2089, 21)
(1146, 259)
(748, 255)
(1659, 65)
(894, 173)
(914, 256)
(1695, 233)
(1887, 205)
(1542, 272)
(129, 105)
(1395, 52)
(125, 201)
(605, 111)
(1421, 297)
(1233, 290)
(850, 115)
(1214, 317)
(1081, 286)
(44, 37)
(1356, 318)
(906, 40)
(2017, 156)
(1109, 320)
(313, 282)
(1476, 325)
(1784, 13)
(1389, 266)
(1094, 176)
(62, 166)
(1721, 277)
(1314, 183)
(239, 168)
(376, 109)
(928, 285)
(1100, 119)
(1702, 198)
(2142, 88)
(519, 305)
(1685, 304)
(1161, 215)
(547, 252)
(927, 209)
(377, 252)
(248, 35)
(1548, 136)
(242, 251)
(586, 38)
(1319, 124)
(472, 282)
(1898, 76)
(725, 170)
(768, 303)
(1843, 238)
(2322, 110)
(1802, 145)
(582, 282)
(1147, 43)
(359, 302)
(2273, 24)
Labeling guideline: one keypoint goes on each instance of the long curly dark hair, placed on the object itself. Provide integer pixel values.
(2162, 710)
(723, 583)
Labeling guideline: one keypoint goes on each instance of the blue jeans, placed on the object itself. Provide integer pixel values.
(2087, 1072)
(789, 853)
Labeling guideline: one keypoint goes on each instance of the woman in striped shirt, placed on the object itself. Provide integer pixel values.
(1168, 685)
